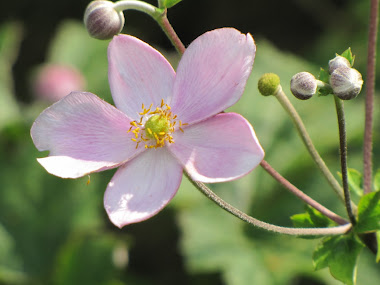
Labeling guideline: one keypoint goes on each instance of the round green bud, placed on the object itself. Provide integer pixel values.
(268, 84)
(346, 82)
(303, 85)
(337, 62)
(156, 126)
(102, 20)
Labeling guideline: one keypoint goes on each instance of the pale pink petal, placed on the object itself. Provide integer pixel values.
(142, 187)
(212, 74)
(138, 74)
(83, 134)
(221, 148)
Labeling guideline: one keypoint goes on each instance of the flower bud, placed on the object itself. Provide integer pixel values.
(346, 82)
(303, 85)
(337, 62)
(102, 20)
(268, 84)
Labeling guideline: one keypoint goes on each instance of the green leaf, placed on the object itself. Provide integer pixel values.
(378, 246)
(170, 3)
(348, 54)
(324, 75)
(311, 219)
(355, 181)
(376, 180)
(369, 213)
(340, 254)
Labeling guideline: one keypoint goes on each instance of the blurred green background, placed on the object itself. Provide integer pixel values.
(55, 231)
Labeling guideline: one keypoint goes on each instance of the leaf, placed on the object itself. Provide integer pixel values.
(170, 3)
(348, 55)
(355, 181)
(376, 180)
(324, 75)
(369, 213)
(311, 219)
(340, 254)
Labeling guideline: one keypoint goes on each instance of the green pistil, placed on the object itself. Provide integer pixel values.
(157, 125)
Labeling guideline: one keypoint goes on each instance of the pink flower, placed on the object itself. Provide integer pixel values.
(165, 122)
(53, 82)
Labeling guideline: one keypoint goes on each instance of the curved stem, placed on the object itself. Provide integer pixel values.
(158, 14)
(301, 195)
(287, 105)
(170, 33)
(371, 71)
(343, 156)
(269, 227)
(138, 6)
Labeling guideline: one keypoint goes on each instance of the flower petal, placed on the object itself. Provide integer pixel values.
(212, 74)
(221, 148)
(83, 134)
(138, 74)
(142, 187)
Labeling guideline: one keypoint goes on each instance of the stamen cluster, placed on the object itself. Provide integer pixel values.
(155, 126)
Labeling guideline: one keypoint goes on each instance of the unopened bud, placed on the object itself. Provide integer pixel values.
(303, 85)
(269, 84)
(337, 62)
(346, 82)
(102, 20)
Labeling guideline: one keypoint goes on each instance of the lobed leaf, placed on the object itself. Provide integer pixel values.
(369, 213)
(339, 254)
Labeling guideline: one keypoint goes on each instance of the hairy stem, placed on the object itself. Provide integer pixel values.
(370, 89)
(170, 33)
(287, 105)
(301, 195)
(343, 156)
(269, 227)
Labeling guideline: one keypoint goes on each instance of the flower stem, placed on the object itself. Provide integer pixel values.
(158, 14)
(269, 227)
(137, 5)
(287, 105)
(301, 195)
(370, 89)
(343, 156)
(170, 33)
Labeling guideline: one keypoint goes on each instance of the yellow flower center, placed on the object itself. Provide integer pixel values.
(155, 127)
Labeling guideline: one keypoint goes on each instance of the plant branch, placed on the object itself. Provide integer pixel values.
(301, 195)
(170, 33)
(287, 105)
(269, 227)
(370, 89)
(343, 156)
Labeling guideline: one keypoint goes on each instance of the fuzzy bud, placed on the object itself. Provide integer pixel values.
(346, 82)
(303, 85)
(102, 20)
(337, 62)
(268, 84)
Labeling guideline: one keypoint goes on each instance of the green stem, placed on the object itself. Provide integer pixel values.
(343, 156)
(301, 195)
(287, 105)
(138, 6)
(269, 227)
(170, 33)
(370, 89)
(158, 14)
